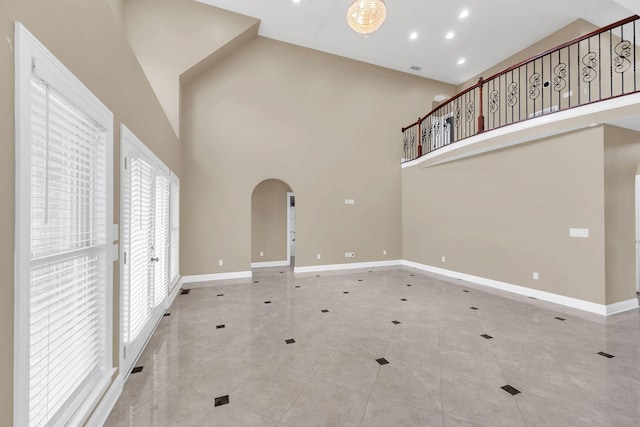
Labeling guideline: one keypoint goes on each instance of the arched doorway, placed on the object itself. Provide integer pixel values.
(272, 224)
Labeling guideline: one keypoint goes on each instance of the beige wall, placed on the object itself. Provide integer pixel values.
(171, 36)
(507, 214)
(87, 38)
(269, 221)
(274, 110)
(621, 161)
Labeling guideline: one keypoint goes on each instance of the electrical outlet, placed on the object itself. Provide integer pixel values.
(318, 256)
(384, 252)
(444, 259)
(220, 262)
(353, 254)
(261, 253)
(535, 275)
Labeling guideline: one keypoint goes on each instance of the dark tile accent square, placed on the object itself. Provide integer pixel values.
(185, 291)
(256, 281)
(281, 272)
(359, 280)
(222, 400)
(403, 299)
(465, 290)
(382, 361)
(607, 355)
(325, 311)
(267, 302)
(395, 322)
(533, 298)
(297, 286)
(412, 275)
(511, 390)
(560, 318)
(166, 315)
(486, 336)
(137, 369)
(473, 308)
(219, 326)
(408, 284)
(220, 295)
(370, 271)
(290, 341)
(345, 292)
(318, 275)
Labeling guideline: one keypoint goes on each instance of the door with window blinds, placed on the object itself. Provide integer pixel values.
(146, 244)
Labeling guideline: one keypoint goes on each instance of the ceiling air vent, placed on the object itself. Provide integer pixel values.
(415, 68)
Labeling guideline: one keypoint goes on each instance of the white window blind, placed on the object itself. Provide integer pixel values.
(161, 244)
(174, 238)
(139, 233)
(63, 279)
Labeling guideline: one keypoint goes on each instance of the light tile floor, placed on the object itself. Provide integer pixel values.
(441, 371)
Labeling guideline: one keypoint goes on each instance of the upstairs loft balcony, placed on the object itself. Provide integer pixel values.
(589, 80)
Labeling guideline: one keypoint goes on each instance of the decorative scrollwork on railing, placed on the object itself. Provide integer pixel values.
(560, 75)
(456, 116)
(512, 94)
(589, 72)
(534, 86)
(405, 142)
(413, 140)
(623, 52)
(494, 101)
(436, 127)
(470, 113)
(423, 139)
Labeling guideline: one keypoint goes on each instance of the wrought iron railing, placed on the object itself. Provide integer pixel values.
(595, 67)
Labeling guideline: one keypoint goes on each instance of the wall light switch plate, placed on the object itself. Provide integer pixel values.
(444, 259)
(535, 275)
(220, 262)
(318, 256)
(261, 253)
(384, 252)
(579, 232)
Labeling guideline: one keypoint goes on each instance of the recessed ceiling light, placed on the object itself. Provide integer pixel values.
(461, 61)
(462, 15)
(296, 1)
(413, 36)
(450, 35)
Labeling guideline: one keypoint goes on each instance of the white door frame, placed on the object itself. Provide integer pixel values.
(289, 194)
(637, 239)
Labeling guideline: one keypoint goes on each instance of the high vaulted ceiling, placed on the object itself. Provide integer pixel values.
(493, 30)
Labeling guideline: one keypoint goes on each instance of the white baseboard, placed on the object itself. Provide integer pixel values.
(283, 263)
(100, 415)
(347, 266)
(579, 304)
(619, 307)
(216, 276)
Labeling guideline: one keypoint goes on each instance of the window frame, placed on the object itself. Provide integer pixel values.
(30, 54)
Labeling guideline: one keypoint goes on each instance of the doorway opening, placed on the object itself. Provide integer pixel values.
(272, 224)
(291, 228)
(637, 241)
